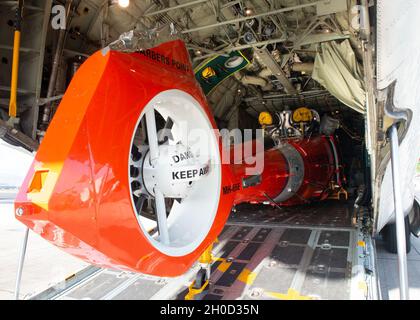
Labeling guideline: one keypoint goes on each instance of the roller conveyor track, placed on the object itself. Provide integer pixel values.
(262, 253)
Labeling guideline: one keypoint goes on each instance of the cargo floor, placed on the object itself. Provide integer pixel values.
(263, 253)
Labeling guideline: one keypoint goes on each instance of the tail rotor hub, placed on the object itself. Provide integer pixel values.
(174, 172)
(176, 189)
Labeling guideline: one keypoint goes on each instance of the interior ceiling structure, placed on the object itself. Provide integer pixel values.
(280, 38)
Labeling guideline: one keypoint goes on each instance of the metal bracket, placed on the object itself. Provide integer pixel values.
(399, 115)
(9, 133)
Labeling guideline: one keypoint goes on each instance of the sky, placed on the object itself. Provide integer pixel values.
(14, 164)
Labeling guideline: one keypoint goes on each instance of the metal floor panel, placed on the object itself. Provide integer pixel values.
(291, 253)
(95, 289)
(330, 213)
(142, 289)
(291, 263)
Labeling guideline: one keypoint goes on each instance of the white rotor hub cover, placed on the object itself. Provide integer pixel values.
(167, 170)
(174, 171)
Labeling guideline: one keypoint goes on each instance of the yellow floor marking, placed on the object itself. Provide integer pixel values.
(291, 295)
(247, 276)
(224, 266)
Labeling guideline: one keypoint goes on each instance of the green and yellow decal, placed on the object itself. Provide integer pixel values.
(214, 71)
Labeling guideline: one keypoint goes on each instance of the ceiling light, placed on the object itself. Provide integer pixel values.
(123, 3)
(248, 11)
(198, 53)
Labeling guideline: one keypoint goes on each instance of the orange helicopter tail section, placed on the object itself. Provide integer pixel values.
(77, 193)
(172, 55)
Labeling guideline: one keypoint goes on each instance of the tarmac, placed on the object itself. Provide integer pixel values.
(45, 264)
